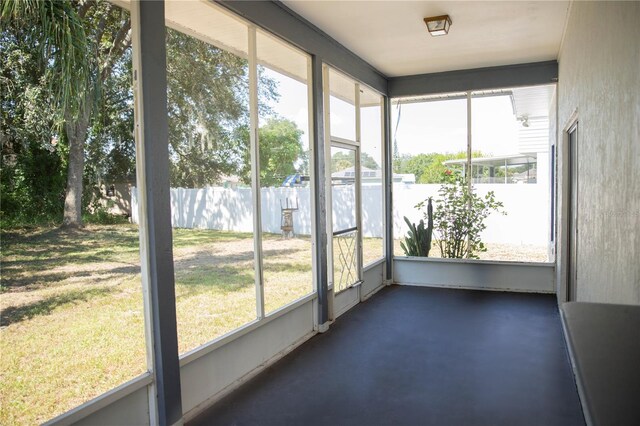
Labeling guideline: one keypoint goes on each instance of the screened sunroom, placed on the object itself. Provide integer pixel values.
(284, 153)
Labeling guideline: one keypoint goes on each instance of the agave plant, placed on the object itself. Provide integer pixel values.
(418, 239)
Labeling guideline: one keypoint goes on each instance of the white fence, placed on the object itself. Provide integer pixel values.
(527, 207)
(232, 209)
(526, 222)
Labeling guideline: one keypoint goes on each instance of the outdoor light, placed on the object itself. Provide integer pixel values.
(438, 25)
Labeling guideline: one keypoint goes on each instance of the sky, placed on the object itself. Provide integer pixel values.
(293, 105)
(424, 127)
(441, 126)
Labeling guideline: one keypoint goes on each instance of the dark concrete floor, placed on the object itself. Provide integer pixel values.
(420, 356)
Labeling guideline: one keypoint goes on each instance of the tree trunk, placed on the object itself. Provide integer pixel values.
(76, 130)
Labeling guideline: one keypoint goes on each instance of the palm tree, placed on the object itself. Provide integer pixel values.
(79, 45)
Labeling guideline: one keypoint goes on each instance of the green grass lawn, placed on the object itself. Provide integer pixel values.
(72, 323)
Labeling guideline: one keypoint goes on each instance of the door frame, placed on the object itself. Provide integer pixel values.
(572, 210)
(330, 142)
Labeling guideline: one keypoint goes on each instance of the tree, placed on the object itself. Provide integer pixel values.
(80, 43)
(110, 147)
(33, 157)
(428, 168)
(280, 148)
(400, 163)
(432, 168)
(419, 164)
(208, 100)
(367, 161)
(74, 87)
(108, 36)
(343, 160)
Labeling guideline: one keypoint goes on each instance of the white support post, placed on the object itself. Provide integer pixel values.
(505, 171)
(255, 172)
(141, 204)
(326, 95)
(358, 189)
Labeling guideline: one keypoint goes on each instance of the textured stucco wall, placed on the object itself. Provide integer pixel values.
(599, 82)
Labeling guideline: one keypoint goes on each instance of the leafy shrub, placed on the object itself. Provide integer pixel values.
(459, 218)
(101, 216)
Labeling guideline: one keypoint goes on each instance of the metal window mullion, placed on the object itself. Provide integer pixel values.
(154, 204)
(388, 187)
(343, 145)
(255, 172)
(328, 187)
(338, 141)
(320, 195)
(468, 165)
(358, 183)
(383, 170)
(313, 184)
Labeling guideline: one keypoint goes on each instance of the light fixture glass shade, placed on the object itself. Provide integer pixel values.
(438, 25)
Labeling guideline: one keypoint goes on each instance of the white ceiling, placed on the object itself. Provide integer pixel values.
(391, 35)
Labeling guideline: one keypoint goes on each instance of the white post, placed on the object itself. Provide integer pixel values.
(255, 171)
(358, 190)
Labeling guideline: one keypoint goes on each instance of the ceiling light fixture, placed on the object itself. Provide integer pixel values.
(438, 25)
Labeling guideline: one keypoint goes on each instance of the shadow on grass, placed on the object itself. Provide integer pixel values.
(286, 267)
(26, 252)
(51, 279)
(68, 238)
(282, 252)
(188, 237)
(15, 314)
(205, 258)
(202, 271)
(223, 279)
(32, 251)
(60, 246)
